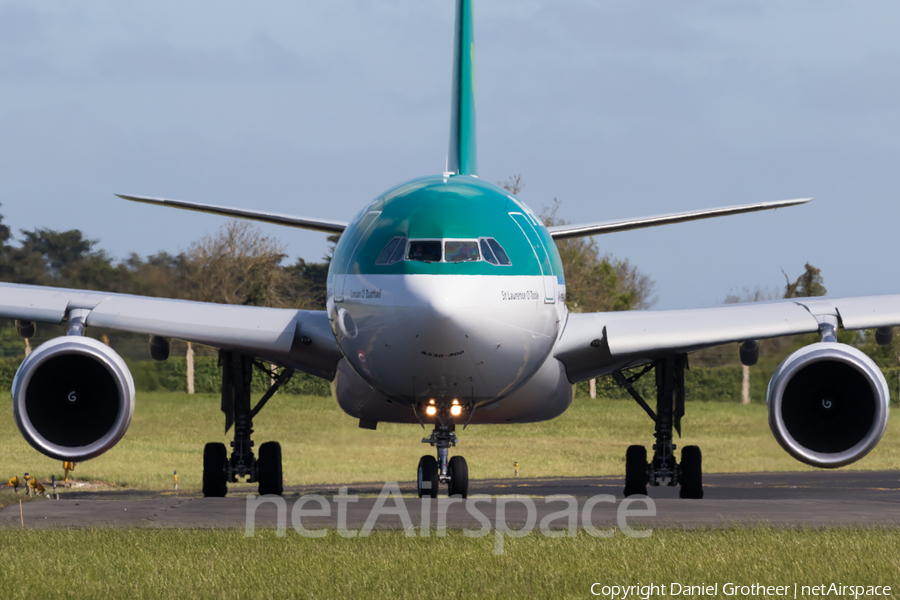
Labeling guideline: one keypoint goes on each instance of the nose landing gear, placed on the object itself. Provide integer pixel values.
(453, 472)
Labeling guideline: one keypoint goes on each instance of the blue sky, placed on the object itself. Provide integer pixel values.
(618, 109)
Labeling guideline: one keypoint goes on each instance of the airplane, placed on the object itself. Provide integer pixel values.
(446, 308)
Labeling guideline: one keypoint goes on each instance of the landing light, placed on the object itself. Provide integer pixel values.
(456, 410)
(430, 411)
(455, 401)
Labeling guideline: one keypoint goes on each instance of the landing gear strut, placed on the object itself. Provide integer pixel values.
(454, 472)
(663, 467)
(218, 468)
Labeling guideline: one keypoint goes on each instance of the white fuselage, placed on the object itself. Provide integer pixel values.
(479, 339)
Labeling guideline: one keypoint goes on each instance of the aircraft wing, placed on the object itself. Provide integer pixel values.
(299, 339)
(595, 344)
(325, 225)
(561, 232)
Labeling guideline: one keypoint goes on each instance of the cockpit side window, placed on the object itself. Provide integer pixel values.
(502, 258)
(424, 250)
(460, 251)
(487, 253)
(391, 250)
(400, 252)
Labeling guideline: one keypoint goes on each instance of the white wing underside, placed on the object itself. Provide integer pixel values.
(591, 345)
(634, 337)
(273, 334)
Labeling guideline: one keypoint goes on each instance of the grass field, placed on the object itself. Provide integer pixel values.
(321, 444)
(141, 563)
(9, 496)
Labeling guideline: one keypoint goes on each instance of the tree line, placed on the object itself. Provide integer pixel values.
(594, 282)
(236, 265)
(239, 265)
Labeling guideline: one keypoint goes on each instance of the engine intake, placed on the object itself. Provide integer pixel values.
(73, 398)
(828, 404)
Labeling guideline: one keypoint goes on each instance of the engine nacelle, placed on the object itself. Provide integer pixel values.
(73, 398)
(828, 404)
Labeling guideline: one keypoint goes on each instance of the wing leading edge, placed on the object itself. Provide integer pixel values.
(595, 344)
(561, 232)
(325, 225)
(299, 339)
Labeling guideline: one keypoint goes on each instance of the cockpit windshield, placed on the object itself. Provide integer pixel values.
(447, 251)
(460, 251)
(424, 250)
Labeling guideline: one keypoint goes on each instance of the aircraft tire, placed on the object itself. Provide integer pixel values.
(269, 473)
(458, 469)
(636, 471)
(215, 457)
(427, 474)
(691, 473)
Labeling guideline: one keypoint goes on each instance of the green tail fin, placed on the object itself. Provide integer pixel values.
(463, 155)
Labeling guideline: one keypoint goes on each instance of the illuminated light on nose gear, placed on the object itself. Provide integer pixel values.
(431, 410)
(456, 410)
(455, 401)
(431, 401)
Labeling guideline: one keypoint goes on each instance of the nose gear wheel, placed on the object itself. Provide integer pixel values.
(453, 472)
(427, 478)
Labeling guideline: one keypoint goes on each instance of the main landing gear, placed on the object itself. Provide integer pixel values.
(639, 473)
(218, 468)
(453, 472)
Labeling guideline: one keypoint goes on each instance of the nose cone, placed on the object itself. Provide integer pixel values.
(446, 336)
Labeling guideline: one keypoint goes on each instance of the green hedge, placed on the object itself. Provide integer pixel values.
(709, 384)
(8, 367)
(171, 375)
(704, 384)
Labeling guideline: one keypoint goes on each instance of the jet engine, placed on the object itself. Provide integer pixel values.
(73, 398)
(828, 404)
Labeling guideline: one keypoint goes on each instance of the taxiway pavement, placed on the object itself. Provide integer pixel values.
(809, 498)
